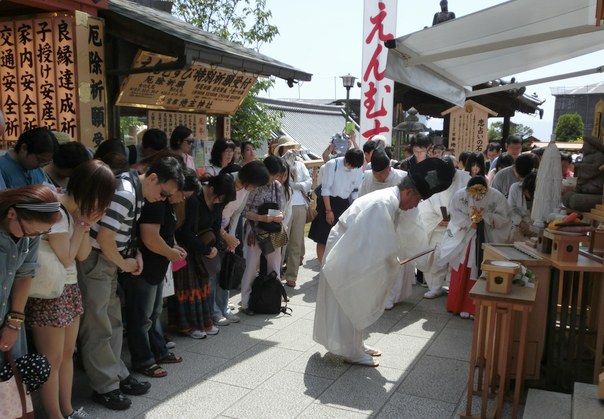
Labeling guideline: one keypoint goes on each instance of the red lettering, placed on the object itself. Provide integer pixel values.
(377, 129)
(373, 65)
(378, 25)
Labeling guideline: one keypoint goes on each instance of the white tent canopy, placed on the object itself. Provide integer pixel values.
(446, 60)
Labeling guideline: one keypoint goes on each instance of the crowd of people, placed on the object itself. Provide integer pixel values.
(120, 220)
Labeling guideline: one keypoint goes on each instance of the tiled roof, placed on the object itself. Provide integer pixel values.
(310, 124)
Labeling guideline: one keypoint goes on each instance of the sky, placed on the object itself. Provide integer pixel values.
(324, 38)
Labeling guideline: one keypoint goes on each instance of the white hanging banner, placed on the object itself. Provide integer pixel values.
(377, 92)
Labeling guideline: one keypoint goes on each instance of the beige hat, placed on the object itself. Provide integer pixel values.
(284, 141)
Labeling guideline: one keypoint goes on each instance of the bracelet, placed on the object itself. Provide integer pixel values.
(15, 317)
(12, 326)
(83, 224)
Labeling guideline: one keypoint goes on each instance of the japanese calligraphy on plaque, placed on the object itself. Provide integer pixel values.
(377, 92)
(468, 127)
(41, 75)
(167, 121)
(197, 88)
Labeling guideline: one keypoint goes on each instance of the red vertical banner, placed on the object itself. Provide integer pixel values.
(377, 92)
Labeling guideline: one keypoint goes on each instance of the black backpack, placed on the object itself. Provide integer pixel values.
(267, 295)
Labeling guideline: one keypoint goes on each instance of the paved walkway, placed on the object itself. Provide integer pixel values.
(269, 367)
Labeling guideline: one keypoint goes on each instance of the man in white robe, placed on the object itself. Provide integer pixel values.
(435, 225)
(382, 176)
(360, 261)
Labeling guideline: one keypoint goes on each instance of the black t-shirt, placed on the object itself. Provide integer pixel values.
(162, 213)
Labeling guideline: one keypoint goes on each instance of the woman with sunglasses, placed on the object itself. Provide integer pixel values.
(181, 141)
(25, 214)
(55, 321)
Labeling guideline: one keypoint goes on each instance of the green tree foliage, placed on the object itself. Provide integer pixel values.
(569, 127)
(496, 130)
(246, 23)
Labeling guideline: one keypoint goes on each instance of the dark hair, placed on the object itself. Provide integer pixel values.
(148, 161)
(513, 139)
(566, 157)
(230, 168)
(218, 148)
(254, 173)
(475, 159)
(286, 188)
(369, 146)
(37, 140)
(191, 181)
(421, 140)
(494, 147)
(155, 139)
(477, 180)
(503, 161)
(354, 157)
(91, 199)
(524, 164)
(30, 194)
(167, 169)
(223, 185)
(438, 147)
(273, 164)
(70, 155)
(109, 146)
(529, 183)
(117, 162)
(178, 135)
(245, 144)
(463, 157)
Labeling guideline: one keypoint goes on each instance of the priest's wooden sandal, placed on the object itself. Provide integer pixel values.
(372, 351)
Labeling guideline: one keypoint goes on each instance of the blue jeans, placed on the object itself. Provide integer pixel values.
(143, 310)
(219, 299)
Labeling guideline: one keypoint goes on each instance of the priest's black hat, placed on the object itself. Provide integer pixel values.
(379, 160)
(431, 176)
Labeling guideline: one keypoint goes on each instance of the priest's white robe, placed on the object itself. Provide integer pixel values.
(431, 215)
(360, 267)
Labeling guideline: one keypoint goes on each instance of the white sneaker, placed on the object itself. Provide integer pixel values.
(389, 305)
(434, 293)
(80, 414)
(198, 334)
(213, 331)
(464, 315)
(232, 318)
(223, 321)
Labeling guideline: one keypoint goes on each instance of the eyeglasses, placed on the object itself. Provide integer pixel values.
(25, 233)
(189, 141)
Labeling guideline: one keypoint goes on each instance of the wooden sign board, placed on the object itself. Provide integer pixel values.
(468, 127)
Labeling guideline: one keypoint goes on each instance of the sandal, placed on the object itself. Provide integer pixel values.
(290, 283)
(365, 361)
(170, 359)
(153, 371)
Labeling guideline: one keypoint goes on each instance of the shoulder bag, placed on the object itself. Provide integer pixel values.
(49, 280)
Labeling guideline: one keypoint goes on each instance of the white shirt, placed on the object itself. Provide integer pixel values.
(340, 181)
(371, 184)
(301, 183)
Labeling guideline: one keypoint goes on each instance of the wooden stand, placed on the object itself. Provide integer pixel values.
(492, 346)
(565, 248)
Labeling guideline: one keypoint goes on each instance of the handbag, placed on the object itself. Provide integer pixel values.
(311, 212)
(49, 280)
(231, 272)
(178, 265)
(269, 241)
(16, 403)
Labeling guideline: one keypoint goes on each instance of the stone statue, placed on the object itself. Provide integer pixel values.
(444, 14)
(590, 177)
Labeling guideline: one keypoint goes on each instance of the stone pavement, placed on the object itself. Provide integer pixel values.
(269, 367)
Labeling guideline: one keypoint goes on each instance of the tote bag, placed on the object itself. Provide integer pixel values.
(49, 279)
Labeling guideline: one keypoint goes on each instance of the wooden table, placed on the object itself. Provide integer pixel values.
(492, 343)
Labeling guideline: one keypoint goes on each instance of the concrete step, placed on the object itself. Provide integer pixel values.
(541, 404)
(586, 404)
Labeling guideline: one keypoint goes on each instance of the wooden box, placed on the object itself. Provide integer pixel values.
(544, 244)
(500, 274)
(565, 247)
